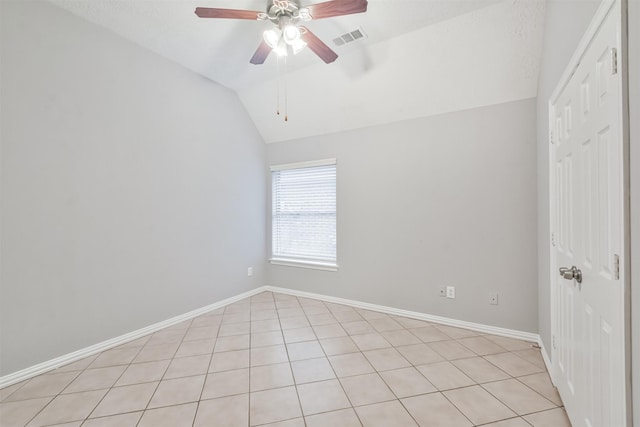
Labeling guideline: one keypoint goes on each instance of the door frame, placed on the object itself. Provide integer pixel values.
(633, 81)
(625, 304)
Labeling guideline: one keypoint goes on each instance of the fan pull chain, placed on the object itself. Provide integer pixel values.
(278, 86)
(286, 103)
(282, 76)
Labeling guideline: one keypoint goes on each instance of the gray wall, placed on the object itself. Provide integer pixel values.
(442, 200)
(565, 23)
(132, 189)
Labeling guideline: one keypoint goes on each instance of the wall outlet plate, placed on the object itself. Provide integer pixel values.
(442, 291)
(493, 298)
(451, 292)
(250, 271)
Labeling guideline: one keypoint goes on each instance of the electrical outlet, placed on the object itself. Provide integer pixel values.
(250, 271)
(443, 291)
(451, 292)
(493, 298)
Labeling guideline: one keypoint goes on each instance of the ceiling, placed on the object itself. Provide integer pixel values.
(420, 57)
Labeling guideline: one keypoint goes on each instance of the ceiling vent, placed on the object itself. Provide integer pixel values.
(350, 37)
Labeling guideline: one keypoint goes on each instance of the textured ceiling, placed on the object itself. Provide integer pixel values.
(421, 57)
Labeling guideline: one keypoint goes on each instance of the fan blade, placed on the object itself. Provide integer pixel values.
(212, 12)
(337, 8)
(318, 46)
(261, 54)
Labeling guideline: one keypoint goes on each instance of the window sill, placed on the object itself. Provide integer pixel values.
(315, 265)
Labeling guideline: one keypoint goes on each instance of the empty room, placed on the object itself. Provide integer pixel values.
(307, 213)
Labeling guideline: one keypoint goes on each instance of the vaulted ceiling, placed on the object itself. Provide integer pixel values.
(420, 57)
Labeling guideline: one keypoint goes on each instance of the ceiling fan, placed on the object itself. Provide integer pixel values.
(288, 35)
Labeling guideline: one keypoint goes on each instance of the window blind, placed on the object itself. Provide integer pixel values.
(304, 213)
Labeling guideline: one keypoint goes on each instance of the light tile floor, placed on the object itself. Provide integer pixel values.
(278, 360)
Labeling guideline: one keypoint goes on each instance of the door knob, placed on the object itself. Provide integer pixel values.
(571, 273)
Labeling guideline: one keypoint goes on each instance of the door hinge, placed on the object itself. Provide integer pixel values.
(616, 266)
(553, 341)
(614, 60)
(553, 239)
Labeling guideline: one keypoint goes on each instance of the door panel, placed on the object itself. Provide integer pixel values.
(589, 318)
(589, 206)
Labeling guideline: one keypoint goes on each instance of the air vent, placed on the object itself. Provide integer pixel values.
(350, 37)
(357, 34)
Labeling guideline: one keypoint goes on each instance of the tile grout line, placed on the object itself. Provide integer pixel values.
(45, 406)
(536, 391)
(329, 361)
(76, 377)
(544, 410)
(384, 381)
(458, 409)
(293, 377)
(451, 339)
(112, 386)
(249, 373)
(412, 365)
(206, 375)
(21, 384)
(512, 353)
(317, 340)
(376, 372)
(165, 372)
(504, 403)
(404, 328)
(506, 419)
(457, 388)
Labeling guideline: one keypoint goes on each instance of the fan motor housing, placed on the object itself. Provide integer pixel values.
(280, 6)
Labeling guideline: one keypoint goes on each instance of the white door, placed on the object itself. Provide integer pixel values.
(588, 234)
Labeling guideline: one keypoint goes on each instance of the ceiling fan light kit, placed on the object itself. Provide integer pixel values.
(287, 35)
(272, 37)
(291, 34)
(286, 15)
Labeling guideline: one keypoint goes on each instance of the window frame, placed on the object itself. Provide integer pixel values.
(302, 262)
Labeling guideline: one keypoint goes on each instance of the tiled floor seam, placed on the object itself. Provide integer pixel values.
(81, 372)
(249, 373)
(161, 378)
(7, 397)
(304, 419)
(458, 409)
(347, 395)
(288, 305)
(204, 383)
(157, 386)
(38, 413)
(505, 403)
(506, 419)
(536, 391)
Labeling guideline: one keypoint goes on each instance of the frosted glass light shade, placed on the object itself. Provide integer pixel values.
(281, 49)
(271, 37)
(297, 46)
(291, 34)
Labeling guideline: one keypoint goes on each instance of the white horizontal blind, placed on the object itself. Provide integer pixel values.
(304, 213)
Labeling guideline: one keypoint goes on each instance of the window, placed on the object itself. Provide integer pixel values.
(304, 214)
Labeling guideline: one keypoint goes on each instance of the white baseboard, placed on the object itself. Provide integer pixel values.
(494, 330)
(41, 368)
